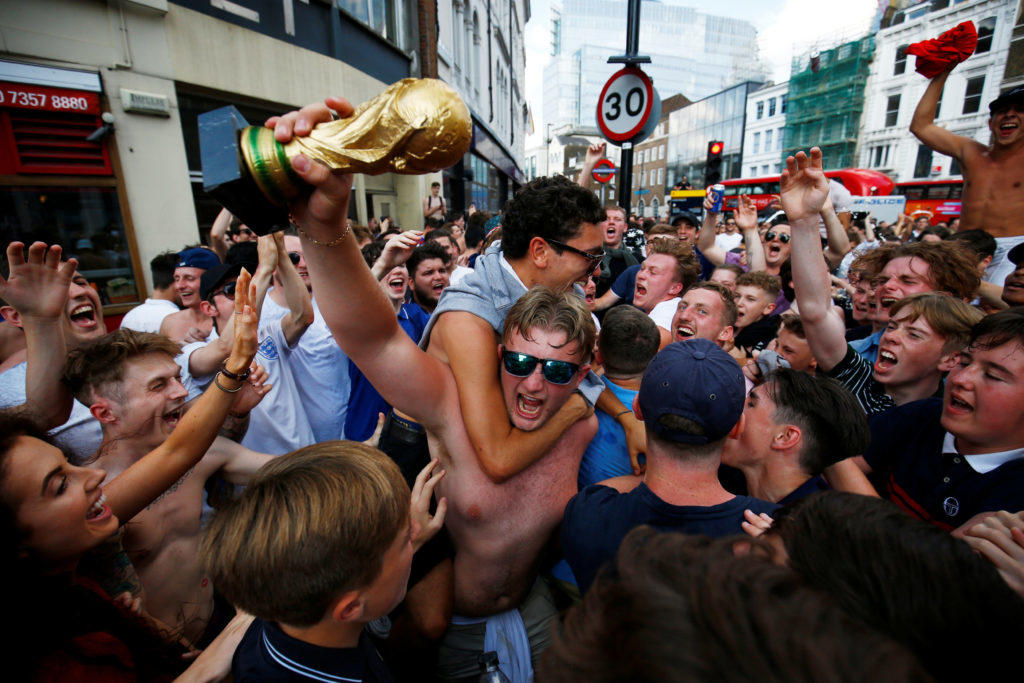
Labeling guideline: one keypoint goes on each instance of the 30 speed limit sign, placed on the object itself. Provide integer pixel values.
(626, 104)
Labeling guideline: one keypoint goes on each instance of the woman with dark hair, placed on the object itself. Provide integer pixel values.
(908, 579)
(52, 513)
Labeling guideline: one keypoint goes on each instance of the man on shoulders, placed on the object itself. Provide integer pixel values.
(993, 197)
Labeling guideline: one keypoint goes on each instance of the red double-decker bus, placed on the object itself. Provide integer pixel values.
(940, 198)
(861, 182)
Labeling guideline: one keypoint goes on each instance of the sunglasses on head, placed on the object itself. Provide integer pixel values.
(227, 290)
(594, 260)
(783, 237)
(522, 365)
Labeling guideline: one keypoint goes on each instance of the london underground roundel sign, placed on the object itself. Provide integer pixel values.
(625, 104)
(604, 170)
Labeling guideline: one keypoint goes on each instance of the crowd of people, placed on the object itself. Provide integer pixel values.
(579, 445)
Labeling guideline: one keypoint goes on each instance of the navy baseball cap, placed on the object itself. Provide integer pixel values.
(1015, 96)
(681, 216)
(197, 257)
(696, 380)
(213, 277)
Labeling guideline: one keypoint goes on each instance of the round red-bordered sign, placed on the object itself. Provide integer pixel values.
(604, 170)
(625, 104)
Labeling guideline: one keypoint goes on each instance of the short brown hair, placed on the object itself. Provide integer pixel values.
(769, 284)
(793, 323)
(687, 265)
(950, 317)
(310, 526)
(98, 367)
(542, 308)
(729, 312)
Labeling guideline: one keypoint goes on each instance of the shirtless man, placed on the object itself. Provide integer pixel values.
(496, 551)
(131, 384)
(993, 196)
(190, 324)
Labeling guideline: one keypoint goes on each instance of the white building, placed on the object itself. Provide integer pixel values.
(692, 53)
(482, 55)
(894, 88)
(762, 135)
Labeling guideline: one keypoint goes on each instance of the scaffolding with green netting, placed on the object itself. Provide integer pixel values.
(825, 101)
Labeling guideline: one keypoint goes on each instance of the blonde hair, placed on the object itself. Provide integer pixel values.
(687, 265)
(311, 526)
(542, 308)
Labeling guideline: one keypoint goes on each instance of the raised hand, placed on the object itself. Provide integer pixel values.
(37, 287)
(804, 187)
(595, 153)
(746, 214)
(244, 343)
(424, 526)
(266, 247)
(399, 248)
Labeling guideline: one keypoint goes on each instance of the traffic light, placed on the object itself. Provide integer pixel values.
(713, 165)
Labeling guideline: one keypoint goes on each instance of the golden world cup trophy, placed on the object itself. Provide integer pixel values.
(416, 126)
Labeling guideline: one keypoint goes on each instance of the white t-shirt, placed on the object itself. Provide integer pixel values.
(80, 436)
(147, 317)
(320, 369)
(663, 313)
(459, 273)
(728, 241)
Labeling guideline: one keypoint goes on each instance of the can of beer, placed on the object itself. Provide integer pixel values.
(717, 194)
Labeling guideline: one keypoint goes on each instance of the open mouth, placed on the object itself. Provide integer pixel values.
(83, 315)
(774, 250)
(98, 511)
(684, 332)
(958, 406)
(528, 406)
(589, 298)
(640, 291)
(1007, 127)
(1014, 283)
(437, 289)
(887, 301)
(397, 285)
(172, 417)
(886, 361)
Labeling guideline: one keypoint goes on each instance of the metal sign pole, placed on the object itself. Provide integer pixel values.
(631, 57)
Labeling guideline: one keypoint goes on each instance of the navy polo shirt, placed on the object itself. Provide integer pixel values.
(940, 488)
(599, 517)
(810, 487)
(267, 653)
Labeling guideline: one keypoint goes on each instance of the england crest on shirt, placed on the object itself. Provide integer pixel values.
(268, 349)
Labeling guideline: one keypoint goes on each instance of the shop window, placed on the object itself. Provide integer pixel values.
(85, 220)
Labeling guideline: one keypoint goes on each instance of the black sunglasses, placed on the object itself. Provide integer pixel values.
(593, 259)
(522, 365)
(243, 231)
(783, 237)
(294, 257)
(227, 290)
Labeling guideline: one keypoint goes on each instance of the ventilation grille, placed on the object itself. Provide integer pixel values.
(54, 142)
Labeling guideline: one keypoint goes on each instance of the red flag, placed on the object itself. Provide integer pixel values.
(939, 54)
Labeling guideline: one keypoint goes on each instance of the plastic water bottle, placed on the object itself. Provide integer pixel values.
(489, 671)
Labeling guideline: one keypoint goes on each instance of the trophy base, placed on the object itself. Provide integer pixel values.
(226, 175)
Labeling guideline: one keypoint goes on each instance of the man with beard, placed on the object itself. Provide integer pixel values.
(428, 274)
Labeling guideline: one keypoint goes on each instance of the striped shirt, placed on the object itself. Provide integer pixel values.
(855, 373)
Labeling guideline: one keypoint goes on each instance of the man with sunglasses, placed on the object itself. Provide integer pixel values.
(993, 198)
